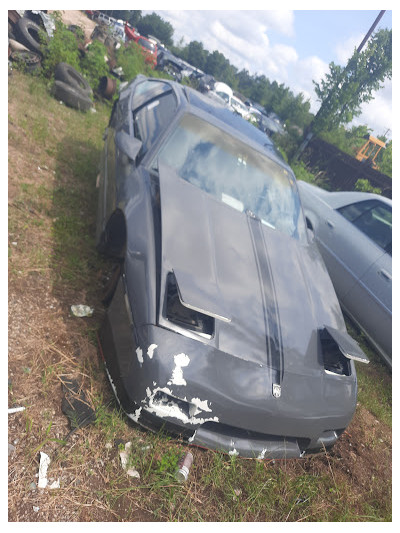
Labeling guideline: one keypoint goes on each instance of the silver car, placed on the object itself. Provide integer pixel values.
(353, 231)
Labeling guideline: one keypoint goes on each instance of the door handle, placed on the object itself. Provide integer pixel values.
(385, 274)
(329, 224)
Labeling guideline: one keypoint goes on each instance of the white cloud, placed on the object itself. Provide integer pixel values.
(301, 78)
(377, 114)
(345, 49)
(243, 38)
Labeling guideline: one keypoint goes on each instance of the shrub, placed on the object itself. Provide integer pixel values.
(131, 59)
(93, 65)
(364, 185)
(302, 173)
(62, 47)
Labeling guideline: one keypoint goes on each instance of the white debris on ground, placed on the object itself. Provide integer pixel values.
(43, 466)
(124, 456)
(81, 310)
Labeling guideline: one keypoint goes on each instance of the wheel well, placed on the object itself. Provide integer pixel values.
(113, 241)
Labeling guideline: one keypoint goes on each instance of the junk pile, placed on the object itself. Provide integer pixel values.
(28, 33)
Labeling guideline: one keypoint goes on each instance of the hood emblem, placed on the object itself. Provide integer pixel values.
(276, 390)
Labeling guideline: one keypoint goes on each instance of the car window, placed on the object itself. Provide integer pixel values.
(373, 218)
(234, 173)
(146, 44)
(150, 119)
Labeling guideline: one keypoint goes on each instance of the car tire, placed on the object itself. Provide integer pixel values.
(28, 33)
(71, 96)
(67, 74)
(30, 59)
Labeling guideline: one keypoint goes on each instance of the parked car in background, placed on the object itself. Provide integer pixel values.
(223, 91)
(148, 47)
(239, 107)
(353, 231)
(222, 324)
(278, 123)
(172, 65)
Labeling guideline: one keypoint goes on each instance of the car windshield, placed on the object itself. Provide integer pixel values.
(147, 44)
(234, 173)
(223, 95)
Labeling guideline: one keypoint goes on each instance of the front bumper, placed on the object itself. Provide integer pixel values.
(165, 381)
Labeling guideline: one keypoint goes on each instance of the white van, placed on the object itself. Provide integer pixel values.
(223, 91)
(105, 19)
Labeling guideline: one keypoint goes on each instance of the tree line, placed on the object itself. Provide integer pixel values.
(341, 93)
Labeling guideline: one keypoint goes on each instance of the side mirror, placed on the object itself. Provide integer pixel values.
(130, 146)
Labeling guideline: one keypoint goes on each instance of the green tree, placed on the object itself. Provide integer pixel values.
(153, 24)
(196, 55)
(384, 159)
(345, 89)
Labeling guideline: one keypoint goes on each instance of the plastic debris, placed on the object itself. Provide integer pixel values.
(81, 310)
(55, 485)
(15, 410)
(124, 456)
(43, 466)
(75, 404)
(36, 508)
(184, 465)
(11, 449)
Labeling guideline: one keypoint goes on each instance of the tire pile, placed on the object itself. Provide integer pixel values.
(24, 43)
(26, 47)
(72, 88)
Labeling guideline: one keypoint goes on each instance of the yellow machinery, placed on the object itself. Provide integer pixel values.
(370, 150)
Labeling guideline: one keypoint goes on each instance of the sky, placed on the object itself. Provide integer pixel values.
(292, 47)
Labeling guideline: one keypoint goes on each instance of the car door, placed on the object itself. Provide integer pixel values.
(370, 299)
(347, 252)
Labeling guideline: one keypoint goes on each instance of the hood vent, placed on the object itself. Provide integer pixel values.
(338, 348)
(183, 316)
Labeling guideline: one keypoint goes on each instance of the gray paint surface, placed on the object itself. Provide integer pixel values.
(270, 296)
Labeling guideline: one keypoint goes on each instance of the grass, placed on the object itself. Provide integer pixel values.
(54, 264)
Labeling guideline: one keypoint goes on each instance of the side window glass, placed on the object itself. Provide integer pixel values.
(353, 211)
(374, 220)
(152, 118)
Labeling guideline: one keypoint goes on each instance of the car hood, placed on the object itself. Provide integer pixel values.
(269, 293)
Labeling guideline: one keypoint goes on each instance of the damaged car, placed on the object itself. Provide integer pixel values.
(222, 325)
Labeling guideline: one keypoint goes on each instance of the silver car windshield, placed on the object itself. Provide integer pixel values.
(234, 173)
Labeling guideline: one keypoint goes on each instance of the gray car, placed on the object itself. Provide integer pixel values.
(222, 325)
(353, 231)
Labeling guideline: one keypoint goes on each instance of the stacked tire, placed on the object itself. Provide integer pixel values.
(72, 88)
(27, 44)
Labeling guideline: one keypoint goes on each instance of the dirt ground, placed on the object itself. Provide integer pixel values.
(78, 18)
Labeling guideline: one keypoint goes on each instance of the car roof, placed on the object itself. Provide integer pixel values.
(338, 199)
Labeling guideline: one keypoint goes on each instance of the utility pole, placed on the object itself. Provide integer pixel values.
(310, 133)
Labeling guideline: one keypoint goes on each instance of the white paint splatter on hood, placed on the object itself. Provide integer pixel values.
(150, 350)
(139, 354)
(172, 410)
(181, 360)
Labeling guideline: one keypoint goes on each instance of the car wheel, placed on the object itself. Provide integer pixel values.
(28, 33)
(71, 96)
(29, 60)
(67, 74)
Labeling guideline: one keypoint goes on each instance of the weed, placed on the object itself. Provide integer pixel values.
(62, 47)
